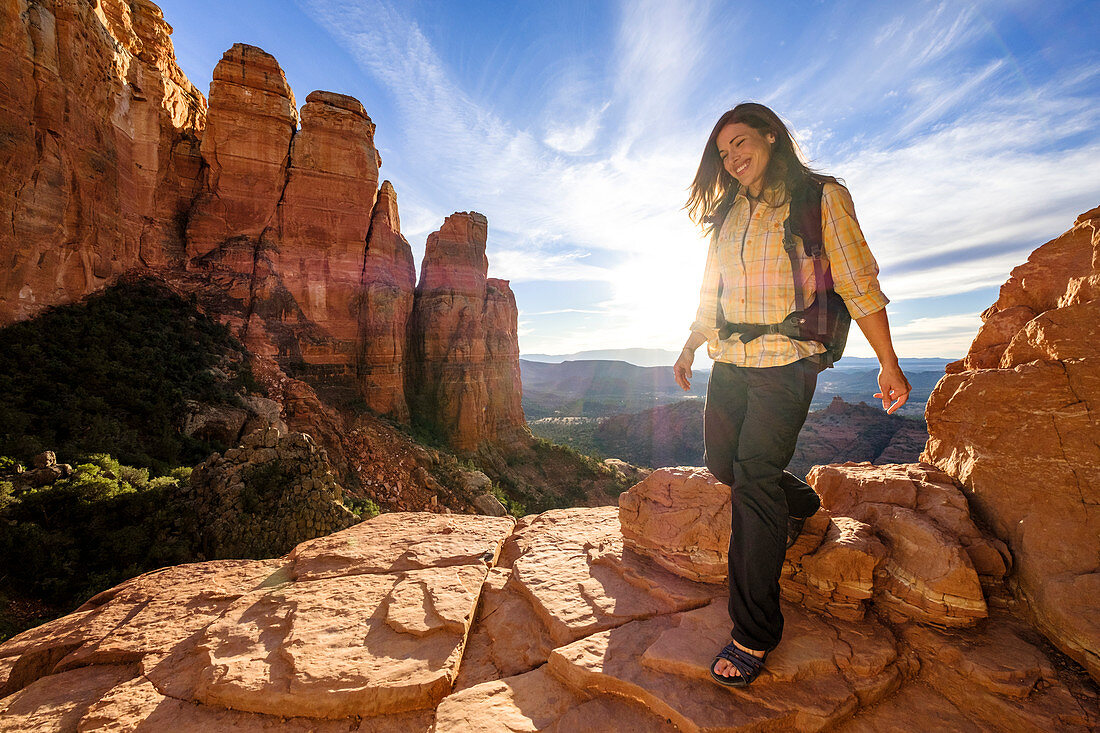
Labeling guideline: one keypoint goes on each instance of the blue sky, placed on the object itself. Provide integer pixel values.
(968, 133)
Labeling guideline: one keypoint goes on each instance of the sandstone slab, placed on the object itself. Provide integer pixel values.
(57, 703)
(399, 541)
(359, 645)
(809, 685)
(537, 701)
(149, 614)
(579, 577)
(136, 705)
(1000, 679)
(509, 637)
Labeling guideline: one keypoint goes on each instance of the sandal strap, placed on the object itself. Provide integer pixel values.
(747, 664)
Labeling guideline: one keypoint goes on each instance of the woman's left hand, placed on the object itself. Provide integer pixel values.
(682, 369)
(893, 388)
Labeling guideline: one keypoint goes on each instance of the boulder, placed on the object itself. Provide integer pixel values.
(489, 504)
(901, 535)
(1015, 424)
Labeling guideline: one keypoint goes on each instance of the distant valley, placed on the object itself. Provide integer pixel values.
(603, 388)
(614, 409)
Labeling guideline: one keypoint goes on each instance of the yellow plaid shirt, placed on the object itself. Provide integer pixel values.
(757, 287)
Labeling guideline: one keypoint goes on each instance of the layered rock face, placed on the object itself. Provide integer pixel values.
(386, 300)
(99, 148)
(374, 629)
(112, 162)
(1015, 422)
(464, 352)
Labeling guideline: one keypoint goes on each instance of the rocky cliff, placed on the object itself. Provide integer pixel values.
(272, 216)
(100, 151)
(1016, 423)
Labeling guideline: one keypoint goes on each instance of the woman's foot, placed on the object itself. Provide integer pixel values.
(724, 668)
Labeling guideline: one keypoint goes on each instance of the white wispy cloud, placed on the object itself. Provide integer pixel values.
(961, 176)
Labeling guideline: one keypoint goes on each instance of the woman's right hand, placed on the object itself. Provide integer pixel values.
(682, 368)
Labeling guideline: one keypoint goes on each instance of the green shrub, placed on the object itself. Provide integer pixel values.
(107, 522)
(365, 508)
(515, 508)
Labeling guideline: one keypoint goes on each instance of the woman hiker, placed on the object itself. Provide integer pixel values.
(764, 374)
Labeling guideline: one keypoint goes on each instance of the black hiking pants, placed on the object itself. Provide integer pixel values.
(750, 426)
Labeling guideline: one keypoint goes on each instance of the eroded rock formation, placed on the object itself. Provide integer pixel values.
(464, 356)
(112, 162)
(374, 629)
(899, 536)
(386, 301)
(1015, 422)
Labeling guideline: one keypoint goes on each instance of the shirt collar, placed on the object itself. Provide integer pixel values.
(774, 192)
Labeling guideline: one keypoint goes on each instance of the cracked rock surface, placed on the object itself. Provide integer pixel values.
(427, 622)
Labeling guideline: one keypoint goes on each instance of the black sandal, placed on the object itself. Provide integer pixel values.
(794, 529)
(749, 666)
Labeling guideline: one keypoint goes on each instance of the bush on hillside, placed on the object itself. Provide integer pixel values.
(66, 541)
(111, 374)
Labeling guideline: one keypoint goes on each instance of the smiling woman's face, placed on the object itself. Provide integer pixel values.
(745, 153)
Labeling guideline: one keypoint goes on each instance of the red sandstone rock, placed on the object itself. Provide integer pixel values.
(348, 626)
(363, 630)
(933, 546)
(96, 159)
(463, 339)
(1019, 432)
(679, 518)
(835, 575)
(245, 150)
(537, 701)
(808, 685)
(385, 305)
(114, 163)
(324, 216)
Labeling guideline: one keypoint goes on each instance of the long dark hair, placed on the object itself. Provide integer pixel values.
(713, 190)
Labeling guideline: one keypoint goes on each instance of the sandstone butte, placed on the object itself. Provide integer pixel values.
(113, 164)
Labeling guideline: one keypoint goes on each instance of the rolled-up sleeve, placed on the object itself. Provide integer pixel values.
(854, 269)
(707, 312)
